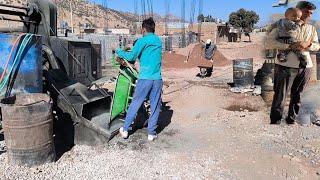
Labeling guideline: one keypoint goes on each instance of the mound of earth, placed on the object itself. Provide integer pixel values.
(173, 60)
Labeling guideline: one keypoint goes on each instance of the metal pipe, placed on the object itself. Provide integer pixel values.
(12, 6)
(200, 22)
(11, 12)
(16, 20)
(71, 17)
(13, 29)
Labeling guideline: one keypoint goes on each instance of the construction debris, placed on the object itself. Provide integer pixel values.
(256, 90)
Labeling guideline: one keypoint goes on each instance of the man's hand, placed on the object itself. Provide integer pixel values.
(127, 49)
(121, 61)
(113, 48)
(296, 46)
(305, 45)
(300, 45)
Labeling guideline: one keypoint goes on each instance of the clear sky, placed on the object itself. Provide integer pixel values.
(217, 8)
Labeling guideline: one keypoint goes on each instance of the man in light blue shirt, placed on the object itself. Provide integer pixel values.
(149, 51)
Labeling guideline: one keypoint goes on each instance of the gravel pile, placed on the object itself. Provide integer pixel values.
(116, 162)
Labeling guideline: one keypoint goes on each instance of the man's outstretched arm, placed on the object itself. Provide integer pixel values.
(131, 55)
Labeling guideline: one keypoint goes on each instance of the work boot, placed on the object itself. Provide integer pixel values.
(123, 133)
(290, 122)
(152, 137)
(276, 122)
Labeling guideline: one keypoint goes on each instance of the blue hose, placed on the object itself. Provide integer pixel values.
(17, 60)
(20, 52)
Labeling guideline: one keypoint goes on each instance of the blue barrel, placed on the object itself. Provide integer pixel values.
(243, 73)
(29, 71)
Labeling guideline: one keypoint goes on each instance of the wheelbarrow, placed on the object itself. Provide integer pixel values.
(125, 84)
(97, 114)
(205, 71)
(123, 94)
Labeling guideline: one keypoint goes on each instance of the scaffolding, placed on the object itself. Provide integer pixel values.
(200, 21)
(183, 21)
(150, 8)
(105, 5)
(143, 9)
(192, 12)
(137, 16)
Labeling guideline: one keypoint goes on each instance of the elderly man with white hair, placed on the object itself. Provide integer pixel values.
(209, 50)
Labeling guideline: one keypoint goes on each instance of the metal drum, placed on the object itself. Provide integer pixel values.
(318, 66)
(267, 92)
(28, 129)
(314, 69)
(243, 73)
(267, 96)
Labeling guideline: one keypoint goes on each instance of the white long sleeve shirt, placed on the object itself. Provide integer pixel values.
(306, 33)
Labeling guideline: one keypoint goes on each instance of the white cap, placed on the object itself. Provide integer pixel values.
(208, 41)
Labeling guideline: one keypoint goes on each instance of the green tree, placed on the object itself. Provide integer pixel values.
(200, 18)
(244, 19)
(209, 18)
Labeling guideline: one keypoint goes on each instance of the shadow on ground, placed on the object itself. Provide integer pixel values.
(164, 119)
(64, 135)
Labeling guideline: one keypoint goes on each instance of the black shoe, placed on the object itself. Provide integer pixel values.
(290, 122)
(275, 122)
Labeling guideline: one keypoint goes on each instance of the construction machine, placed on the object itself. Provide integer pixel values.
(69, 72)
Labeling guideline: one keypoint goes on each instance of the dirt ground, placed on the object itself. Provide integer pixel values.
(175, 67)
(206, 132)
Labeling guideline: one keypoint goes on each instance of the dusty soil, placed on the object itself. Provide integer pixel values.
(243, 50)
(206, 132)
(211, 133)
(175, 68)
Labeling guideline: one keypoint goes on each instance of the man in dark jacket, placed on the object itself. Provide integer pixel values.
(209, 50)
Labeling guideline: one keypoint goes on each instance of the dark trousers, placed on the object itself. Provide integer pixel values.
(288, 79)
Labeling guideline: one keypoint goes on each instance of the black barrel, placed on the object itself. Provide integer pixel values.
(243, 72)
(28, 129)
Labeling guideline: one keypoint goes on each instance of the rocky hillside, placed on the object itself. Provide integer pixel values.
(92, 15)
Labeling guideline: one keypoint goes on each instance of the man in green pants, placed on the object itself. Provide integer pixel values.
(149, 51)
